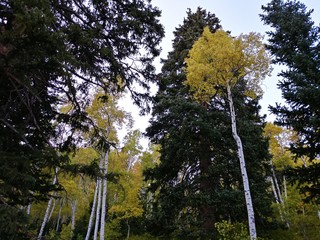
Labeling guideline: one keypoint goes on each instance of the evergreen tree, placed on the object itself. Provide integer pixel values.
(294, 42)
(51, 54)
(198, 181)
(219, 61)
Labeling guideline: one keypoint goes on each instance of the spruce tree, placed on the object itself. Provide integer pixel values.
(294, 43)
(198, 181)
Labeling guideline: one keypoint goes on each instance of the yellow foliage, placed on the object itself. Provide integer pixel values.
(218, 59)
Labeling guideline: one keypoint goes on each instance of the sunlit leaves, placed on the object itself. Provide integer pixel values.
(218, 59)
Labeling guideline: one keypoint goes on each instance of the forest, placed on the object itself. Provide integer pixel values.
(214, 167)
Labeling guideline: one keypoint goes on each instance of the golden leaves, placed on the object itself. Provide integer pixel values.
(218, 59)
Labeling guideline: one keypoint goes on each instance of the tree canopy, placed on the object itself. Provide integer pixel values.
(218, 59)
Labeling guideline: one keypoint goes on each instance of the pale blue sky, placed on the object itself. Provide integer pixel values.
(237, 16)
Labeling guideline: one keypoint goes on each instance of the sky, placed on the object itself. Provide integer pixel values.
(237, 16)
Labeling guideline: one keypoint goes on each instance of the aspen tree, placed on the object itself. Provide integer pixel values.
(216, 62)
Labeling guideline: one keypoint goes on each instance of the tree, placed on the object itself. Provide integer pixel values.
(173, 127)
(107, 117)
(216, 61)
(197, 181)
(53, 53)
(300, 218)
(294, 42)
(124, 204)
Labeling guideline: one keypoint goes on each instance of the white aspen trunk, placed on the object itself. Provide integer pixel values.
(52, 209)
(73, 216)
(99, 183)
(59, 215)
(276, 184)
(96, 227)
(29, 209)
(104, 195)
(128, 231)
(92, 212)
(247, 193)
(283, 212)
(46, 215)
(45, 219)
(277, 198)
(285, 187)
(274, 189)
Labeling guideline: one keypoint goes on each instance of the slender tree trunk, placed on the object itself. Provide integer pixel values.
(276, 184)
(285, 186)
(59, 215)
(29, 209)
(282, 208)
(45, 219)
(73, 216)
(96, 227)
(104, 195)
(52, 209)
(274, 189)
(128, 231)
(99, 183)
(247, 193)
(277, 199)
(92, 212)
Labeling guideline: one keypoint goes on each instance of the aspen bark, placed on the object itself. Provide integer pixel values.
(247, 193)
(59, 215)
(128, 231)
(285, 187)
(280, 201)
(277, 198)
(104, 194)
(46, 215)
(73, 216)
(96, 227)
(29, 209)
(274, 190)
(45, 219)
(52, 209)
(92, 212)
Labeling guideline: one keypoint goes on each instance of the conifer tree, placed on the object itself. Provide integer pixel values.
(294, 42)
(198, 181)
(219, 61)
(51, 54)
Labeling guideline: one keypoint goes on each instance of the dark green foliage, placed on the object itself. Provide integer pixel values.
(13, 223)
(51, 54)
(176, 119)
(309, 181)
(198, 181)
(294, 42)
